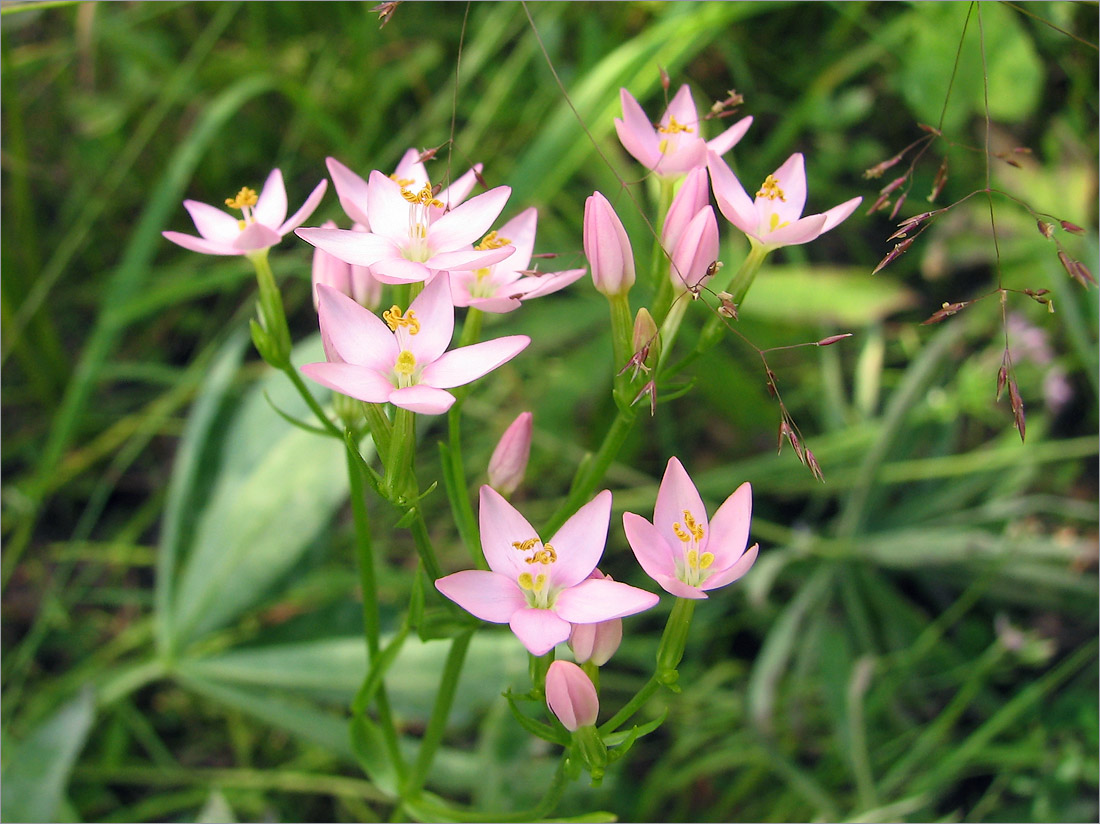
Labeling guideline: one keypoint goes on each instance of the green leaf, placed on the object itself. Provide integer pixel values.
(825, 294)
(370, 752)
(38, 767)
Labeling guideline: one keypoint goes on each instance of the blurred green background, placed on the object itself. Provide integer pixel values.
(180, 617)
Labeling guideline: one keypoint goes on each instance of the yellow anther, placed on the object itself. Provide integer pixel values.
(693, 559)
(481, 274)
(491, 241)
(424, 197)
(242, 224)
(245, 197)
(406, 363)
(403, 182)
(693, 526)
(526, 580)
(683, 536)
(770, 190)
(540, 581)
(525, 546)
(673, 127)
(706, 560)
(394, 318)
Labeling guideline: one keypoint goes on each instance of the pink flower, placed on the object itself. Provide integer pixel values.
(774, 218)
(410, 174)
(404, 360)
(696, 249)
(693, 195)
(356, 282)
(407, 242)
(539, 588)
(502, 286)
(571, 695)
(509, 460)
(607, 247)
(675, 146)
(596, 642)
(262, 225)
(681, 550)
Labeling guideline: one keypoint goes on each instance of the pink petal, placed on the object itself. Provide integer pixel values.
(649, 546)
(307, 208)
(607, 247)
(730, 195)
(469, 258)
(198, 244)
(461, 366)
(682, 107)
(495, 306)
(351, 189)
(674, 586)
(729, 528)
(485, 595)
(458, 191)
(424, 400)
(357, 334)
(676, 494)
(791, 177)
(410, 168)
(436, 313)
(696, 250)
(592, 601)
(520, 233)
(728, 576)
(580, 542)
(838, 214)
(213, 224)
(256, 236)
(636, 132)
(357, 248)
(349, 379)
(540, 630)
(468, 222)
(501, 525)
(571, 695)
(694, 194)
(270, 208)
(397, 270)
(535, 286)
(387, 209)
(730, 137)
(801, 231)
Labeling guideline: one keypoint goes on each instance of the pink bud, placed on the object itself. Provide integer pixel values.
(694, 194)
(607, 247)
(695, 251)
(596, 642)
(330, 270)
(509, 460)
(571, 696)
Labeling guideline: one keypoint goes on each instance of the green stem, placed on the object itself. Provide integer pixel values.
(622, 346)
(399, 458)
(381, 430)
(471, 327)
(592, 469)
(437, 724)
(424, 546)
(458, 488)
(674, 639)
(364, 552)
(311, 401)
(632, 706)
(715, 328)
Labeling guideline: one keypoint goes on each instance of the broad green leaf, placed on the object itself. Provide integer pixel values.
(37, 768)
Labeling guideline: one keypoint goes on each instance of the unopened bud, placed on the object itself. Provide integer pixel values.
(607, 247)
(596, 642)
(509, 460)
(571, 696)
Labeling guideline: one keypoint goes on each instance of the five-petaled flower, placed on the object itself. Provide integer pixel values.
(681, 550)
(403, 360)
(501, 287)
(262, 223)
(407, 242)
(774, 217)
(675, 147)
(539, 589)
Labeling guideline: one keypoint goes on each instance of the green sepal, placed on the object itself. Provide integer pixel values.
(543, 731)
(262, 341)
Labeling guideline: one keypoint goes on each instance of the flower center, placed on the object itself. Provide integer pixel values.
(770, 190)
(674, 127)
(692, 567)
(404, 368)
(534, 586)
(492, 241)
(246, 198)
(394, 319)
(419, 219)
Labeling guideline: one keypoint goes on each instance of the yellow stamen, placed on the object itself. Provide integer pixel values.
(770, 189)
(540, 581)
(424, 197)
(683, 536)
(526, 580)
(481, 274)
(706, 560)
(673, 127)
(406, 363)
(491, 241)
(693, 526)
(525, 546)
(394, 318)
(693, 559)
(245, 197)
(403, 182)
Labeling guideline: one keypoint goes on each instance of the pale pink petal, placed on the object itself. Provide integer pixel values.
(351, 189)
(729, 528)
(495, 306)
(728, 576)
(399, 270)
(838, 214)
(682, 107)
(636, 132)
(801, 231)
(198, 244)
(485, 595)
(508, 462)
(730, 195)
(676, 494)
(684, 152)
(387, 209)
(468, 222)
(461, 366)
(270, 208)
(540, 630)
(571, 695)
(329, 270)
(730, 137)
(349, 379)
(436, 314)
(593, 600)
(357, 334)
(213, 224)
(501, 526)
(357, 248)
(458, 191)
(424, 400)
(256, 236)
(607, 247)
(695, 251)
(469, 258)
(791, 179)
(307, 208)
(596, 642)
(520, 232)
(410, 168)
(535, 286)
(693, 195)
(580, 542)
(650, 547)
(674, 586)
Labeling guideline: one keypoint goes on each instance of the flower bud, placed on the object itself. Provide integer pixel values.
(696, 249)
(509, 460)
(607, 247)
(596, 642)
(571, 695)
(330, 270)
(693, 195)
